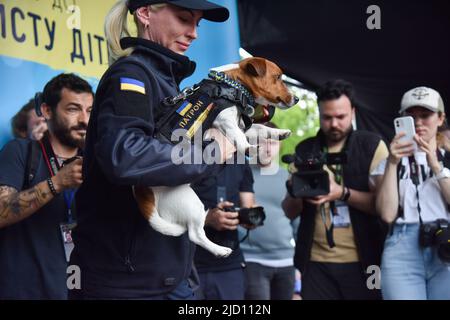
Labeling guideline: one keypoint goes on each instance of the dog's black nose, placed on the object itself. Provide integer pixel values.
(296, 99)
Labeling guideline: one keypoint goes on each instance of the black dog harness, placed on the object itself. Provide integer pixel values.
(198, 106)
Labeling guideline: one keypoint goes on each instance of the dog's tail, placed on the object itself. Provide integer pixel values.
(146, 200)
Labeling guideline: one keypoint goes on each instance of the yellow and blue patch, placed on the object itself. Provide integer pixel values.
(185, 106)
(128, 84)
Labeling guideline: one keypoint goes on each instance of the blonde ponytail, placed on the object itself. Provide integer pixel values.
(116, 27)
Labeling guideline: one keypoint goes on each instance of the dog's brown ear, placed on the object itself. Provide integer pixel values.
(255, 66)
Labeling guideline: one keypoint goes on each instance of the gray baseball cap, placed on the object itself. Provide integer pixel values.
(422, 97)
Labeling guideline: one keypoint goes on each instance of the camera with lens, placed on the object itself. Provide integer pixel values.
(311, 179)
(436, 234)
(250, 216)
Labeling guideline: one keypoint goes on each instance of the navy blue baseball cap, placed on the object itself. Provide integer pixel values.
(211, 11)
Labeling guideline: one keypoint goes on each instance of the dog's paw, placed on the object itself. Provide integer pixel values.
(223, 252)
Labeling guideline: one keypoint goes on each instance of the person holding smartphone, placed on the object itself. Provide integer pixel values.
(412, 196)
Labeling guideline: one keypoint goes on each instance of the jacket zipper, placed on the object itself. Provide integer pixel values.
(128, 261)
(129, 264)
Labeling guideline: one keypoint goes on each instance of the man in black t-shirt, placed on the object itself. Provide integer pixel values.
(223, 278)
(36, 213)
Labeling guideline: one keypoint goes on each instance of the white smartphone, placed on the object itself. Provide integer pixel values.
(406, 125)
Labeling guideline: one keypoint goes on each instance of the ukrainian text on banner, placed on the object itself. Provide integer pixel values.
(42, 38)
(63, 34)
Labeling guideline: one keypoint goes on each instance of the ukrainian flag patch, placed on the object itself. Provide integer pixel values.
(185, 106)
(129, 84)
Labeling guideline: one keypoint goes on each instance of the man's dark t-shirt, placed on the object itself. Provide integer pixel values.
(227, 185)
(32, 258)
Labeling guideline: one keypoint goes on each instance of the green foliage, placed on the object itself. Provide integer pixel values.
(302, 119)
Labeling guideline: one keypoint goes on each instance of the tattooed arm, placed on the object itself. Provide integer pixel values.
(16, 206)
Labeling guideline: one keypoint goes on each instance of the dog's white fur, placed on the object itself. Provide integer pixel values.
(178, 209)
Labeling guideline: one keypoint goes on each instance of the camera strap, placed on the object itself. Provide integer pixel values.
(338, 173)
(247, 234)
(328, 231)
(414, 174)
(49, 155)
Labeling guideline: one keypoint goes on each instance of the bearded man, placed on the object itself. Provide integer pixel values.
(38, 180)
(340, 235)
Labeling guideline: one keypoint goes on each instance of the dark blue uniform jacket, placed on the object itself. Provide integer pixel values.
(119, 254)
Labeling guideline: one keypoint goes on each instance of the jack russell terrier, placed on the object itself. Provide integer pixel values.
(175, 210)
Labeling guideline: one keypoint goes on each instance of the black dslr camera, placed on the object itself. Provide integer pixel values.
(251, 216)
(436, 234)
(311, 179)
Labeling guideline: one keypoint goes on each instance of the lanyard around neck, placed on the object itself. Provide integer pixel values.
(53, 167)
(339, 178)
(414, 174)
(339, 170)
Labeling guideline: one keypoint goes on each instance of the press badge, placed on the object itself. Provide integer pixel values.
(66, 233)
(341, 217)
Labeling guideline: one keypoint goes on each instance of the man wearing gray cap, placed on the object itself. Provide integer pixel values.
(413, 196)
